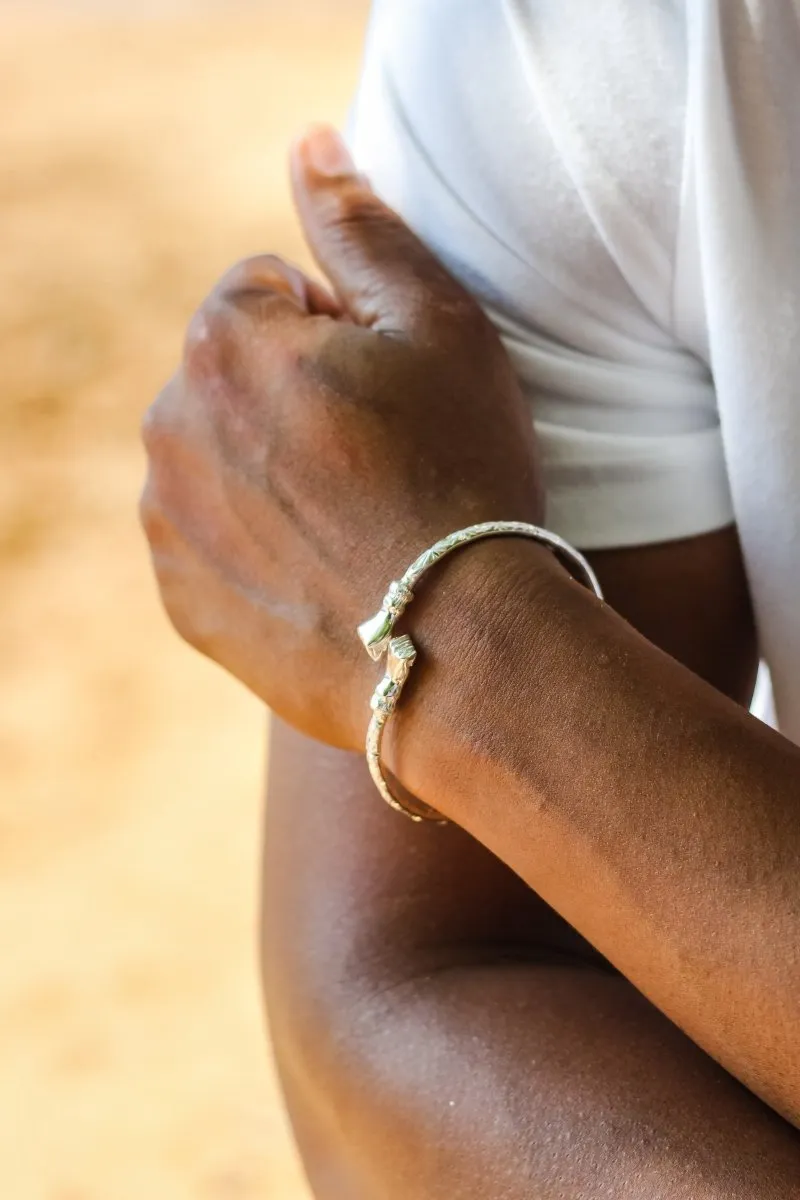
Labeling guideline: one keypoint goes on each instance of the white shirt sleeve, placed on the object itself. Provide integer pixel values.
(619, 185)
(539, 149)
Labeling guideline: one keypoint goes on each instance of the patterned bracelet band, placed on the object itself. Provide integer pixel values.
(377, 634)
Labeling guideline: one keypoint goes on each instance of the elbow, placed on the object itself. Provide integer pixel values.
(321, 1019)
(319, 998)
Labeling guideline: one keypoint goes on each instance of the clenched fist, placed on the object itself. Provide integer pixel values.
(312, 443)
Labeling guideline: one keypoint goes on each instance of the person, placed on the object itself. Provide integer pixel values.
(586, 983)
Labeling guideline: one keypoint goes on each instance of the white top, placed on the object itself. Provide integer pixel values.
(619, 183)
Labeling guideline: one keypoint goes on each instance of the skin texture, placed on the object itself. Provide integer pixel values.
(250, 547)
(669, 815)
(307, 450)
(416, 986)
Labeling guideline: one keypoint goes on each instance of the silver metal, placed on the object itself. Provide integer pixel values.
(377, 634)
(400, 659)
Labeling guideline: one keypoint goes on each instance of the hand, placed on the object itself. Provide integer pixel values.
(313, 443)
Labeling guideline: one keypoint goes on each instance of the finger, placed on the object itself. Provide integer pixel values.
(385, 276)
(257, 295)
(268, 275)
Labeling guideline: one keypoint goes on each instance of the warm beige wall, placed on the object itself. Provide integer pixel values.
(136, 161)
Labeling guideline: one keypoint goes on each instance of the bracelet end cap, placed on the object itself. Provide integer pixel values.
(375, 634)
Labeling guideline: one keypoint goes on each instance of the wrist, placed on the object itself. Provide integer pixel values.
(482, 625)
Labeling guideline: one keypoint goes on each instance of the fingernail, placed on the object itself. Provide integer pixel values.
(324, 150)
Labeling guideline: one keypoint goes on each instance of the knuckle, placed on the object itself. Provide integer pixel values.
(250, 272)
(208, 338)
(208, 326)
(169, 562)
(259, 270)
(151, 517)
(255, 284)
(149, 428)
(157, 425)
(152, 428)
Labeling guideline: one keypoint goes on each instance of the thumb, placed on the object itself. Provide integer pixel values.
(383, 274)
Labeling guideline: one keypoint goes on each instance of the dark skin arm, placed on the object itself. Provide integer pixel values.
(306, 452)
(441, 1032)
(669, 815)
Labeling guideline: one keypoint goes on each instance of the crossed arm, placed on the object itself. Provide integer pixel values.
(441, 1031)
(441, 1028)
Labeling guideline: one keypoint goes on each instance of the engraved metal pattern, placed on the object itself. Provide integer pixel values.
(374, 739)
(377, 637)
(400, 659)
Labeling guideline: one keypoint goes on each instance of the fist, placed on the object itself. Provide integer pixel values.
(314, 441)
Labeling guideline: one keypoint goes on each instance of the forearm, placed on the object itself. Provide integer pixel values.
(653, 814)
(521, 1081)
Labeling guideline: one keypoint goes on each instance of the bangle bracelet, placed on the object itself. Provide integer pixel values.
(377, 634)
(400, 659)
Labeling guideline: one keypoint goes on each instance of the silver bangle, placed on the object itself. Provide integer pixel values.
(377, 634)
(400, 658)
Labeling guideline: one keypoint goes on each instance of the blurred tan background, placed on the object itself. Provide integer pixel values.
(142, 149)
